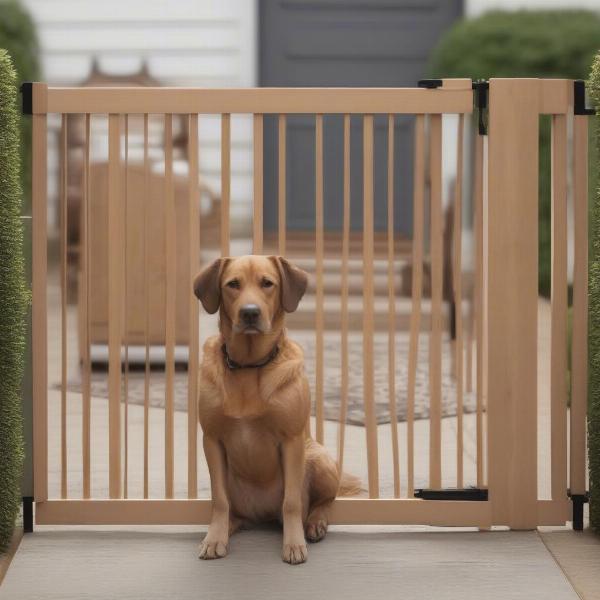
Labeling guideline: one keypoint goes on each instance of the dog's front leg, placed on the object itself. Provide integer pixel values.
(214, 545)
(294, 544)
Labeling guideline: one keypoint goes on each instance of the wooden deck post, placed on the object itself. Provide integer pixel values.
(512, 294)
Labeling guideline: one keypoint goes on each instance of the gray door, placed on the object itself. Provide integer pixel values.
(344, 43)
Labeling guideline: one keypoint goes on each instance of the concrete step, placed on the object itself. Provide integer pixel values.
(304, 317)
(332, 282)
(302, 243)
(355, 264)
(332, 275)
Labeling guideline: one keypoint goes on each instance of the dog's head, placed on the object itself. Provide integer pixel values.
(251, 290)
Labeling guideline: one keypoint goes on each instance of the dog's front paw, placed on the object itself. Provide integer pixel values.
(294, 554)
(210, 548)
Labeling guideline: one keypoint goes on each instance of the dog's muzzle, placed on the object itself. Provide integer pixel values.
(249, 318)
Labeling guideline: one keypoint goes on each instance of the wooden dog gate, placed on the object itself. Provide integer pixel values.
(505, 199)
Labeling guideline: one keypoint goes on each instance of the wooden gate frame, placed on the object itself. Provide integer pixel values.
(510, 295)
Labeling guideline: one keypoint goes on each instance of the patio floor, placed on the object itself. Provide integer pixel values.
(352, 562)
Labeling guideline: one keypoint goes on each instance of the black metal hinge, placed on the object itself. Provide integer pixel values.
(578, 501)
(27, 514)
(481, 89)
(27, 97)
(579, 107)
(465, 494)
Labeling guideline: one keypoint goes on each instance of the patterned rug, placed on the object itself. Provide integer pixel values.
(332, 379)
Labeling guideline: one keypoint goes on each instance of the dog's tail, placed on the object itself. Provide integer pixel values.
(350, 485)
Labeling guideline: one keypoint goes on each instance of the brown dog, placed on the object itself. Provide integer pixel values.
(254, 406)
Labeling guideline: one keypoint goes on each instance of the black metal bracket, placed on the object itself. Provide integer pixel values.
(481, 89)
(578, 501)
(430, 84)
(27, 514)
(579, 107)
(464, 494)
(27, 97)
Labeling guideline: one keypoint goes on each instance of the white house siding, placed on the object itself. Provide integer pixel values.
(189, 43)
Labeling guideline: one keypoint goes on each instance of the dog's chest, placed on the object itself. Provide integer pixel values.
(252, 450)
(242, 397)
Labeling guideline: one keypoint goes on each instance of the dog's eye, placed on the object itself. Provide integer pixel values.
(266, 283)
(234, 284)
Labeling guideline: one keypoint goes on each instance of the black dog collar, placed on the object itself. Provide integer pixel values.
(232, 365)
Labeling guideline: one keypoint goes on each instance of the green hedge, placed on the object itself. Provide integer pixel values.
(553, 43)
(594, 330)
(14, 298)
(18, 37)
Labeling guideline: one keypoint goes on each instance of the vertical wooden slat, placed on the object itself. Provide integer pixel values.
(469, 347)
(281, 183)
(319, 277)
(85, 316)
(344, 295)
(115, 257)
(579, 350)
(478, 306)
(458, 300)
(485, 312)
(147, 292)
(194, 235)
(257, 222)
(170, 307)
(511, 295)
(368, 308)
(39, 274)
(126, 315)
(558, 344)
(435, 339)
(225, 181)
(392, 309)
(417, 291)
(63, 306)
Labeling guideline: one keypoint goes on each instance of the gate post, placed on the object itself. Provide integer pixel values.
(39, 270)
(512, 298)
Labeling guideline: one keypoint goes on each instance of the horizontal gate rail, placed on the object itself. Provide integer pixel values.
(458, 98)
(346, 511)
(257, 100)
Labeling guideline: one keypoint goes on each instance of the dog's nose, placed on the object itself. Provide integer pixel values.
(249, 314)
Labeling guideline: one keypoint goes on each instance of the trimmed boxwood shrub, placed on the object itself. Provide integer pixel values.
(18, 37)
(594, 329)
(553, 43)
(13, 303)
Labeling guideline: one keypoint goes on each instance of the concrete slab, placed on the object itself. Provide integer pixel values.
(351, 563)
(578, 554)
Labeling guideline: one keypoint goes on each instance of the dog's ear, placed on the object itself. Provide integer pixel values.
(207, 285)
(293, 283)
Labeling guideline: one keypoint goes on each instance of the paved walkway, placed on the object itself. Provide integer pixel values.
(351, 563)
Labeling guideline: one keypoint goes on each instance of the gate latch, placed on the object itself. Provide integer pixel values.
(430, 84)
